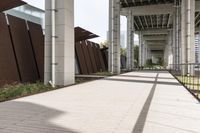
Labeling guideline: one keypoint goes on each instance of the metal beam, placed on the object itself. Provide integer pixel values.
(140, 22)
(151, 21)
(198, 22)
(153, 9)
(169, 20)
(146, 22)
(158, 42)
(152, 38)
(154, 32)
(157, 17)
(197, 4)
(149, 10)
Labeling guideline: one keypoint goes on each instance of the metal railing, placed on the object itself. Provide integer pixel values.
(188, 75)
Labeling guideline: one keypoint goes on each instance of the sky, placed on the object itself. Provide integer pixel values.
(89, 14)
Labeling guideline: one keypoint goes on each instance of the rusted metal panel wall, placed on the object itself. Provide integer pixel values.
(81, 59)
(92, 58)
(37, 41)
(23, 49)
(96, 55)
(8, 65)
(102, 64)
(8, 4)
(87, 57)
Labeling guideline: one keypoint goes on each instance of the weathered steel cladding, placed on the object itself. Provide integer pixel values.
(37, 40)
(87, 57)
(23, 49)
(82, 34)
(8, 4)
(92, 58)
(8, 65)
(103, 67)
(81, 59)
(96, 55)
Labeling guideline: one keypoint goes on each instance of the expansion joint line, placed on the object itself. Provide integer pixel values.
(139, 126)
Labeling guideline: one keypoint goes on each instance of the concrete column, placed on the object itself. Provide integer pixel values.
(116, 37)
(144, 54)
(64, 42)
(170, 50)
(166, 54)
(110, 46)
(130, 42)
(140, 49)
(188, 34)
(199, 46)
(148, 53)
(176, 35)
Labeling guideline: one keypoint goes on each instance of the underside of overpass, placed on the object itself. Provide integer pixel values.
(166, 30)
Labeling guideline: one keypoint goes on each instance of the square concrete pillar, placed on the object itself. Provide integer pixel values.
(188, 34)
(64, 42)
(198, 41)
(169, 51)
(141, 50)
(130, 42)
(115, 39)
(110, 46)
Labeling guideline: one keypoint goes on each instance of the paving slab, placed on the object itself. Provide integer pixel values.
(135, 102)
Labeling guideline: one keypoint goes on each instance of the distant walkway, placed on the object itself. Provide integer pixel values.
(136, 102)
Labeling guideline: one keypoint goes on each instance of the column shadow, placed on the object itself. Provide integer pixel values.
(142, 81)
(136, 76)
(25, 117)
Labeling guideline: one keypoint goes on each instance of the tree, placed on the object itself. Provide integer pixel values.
(136, 55)
(123, 51)
(104, 44)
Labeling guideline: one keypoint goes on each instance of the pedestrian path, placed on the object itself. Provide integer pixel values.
(135, 102)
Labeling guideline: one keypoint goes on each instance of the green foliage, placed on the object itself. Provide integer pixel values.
(9, 92)
(104, 44)
(103, 74)
(149, 63)
(160, 62)
(123, 51)
(136, 55)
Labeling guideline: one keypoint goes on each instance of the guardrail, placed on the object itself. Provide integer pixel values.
(188, 75)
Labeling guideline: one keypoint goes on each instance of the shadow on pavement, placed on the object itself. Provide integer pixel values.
(143, 81)
(136, 76)
(25, 117)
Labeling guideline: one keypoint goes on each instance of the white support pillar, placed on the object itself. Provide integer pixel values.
(133, 45)
(170, 50)
(110, 46)
(63, 69)
(176, 35)
(199, 46)
(140, 49)
(144, 54)
(188, 34)
(130, 42)
(116, 37)
(166, 54)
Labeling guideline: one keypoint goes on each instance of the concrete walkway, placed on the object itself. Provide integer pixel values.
(137, 102)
